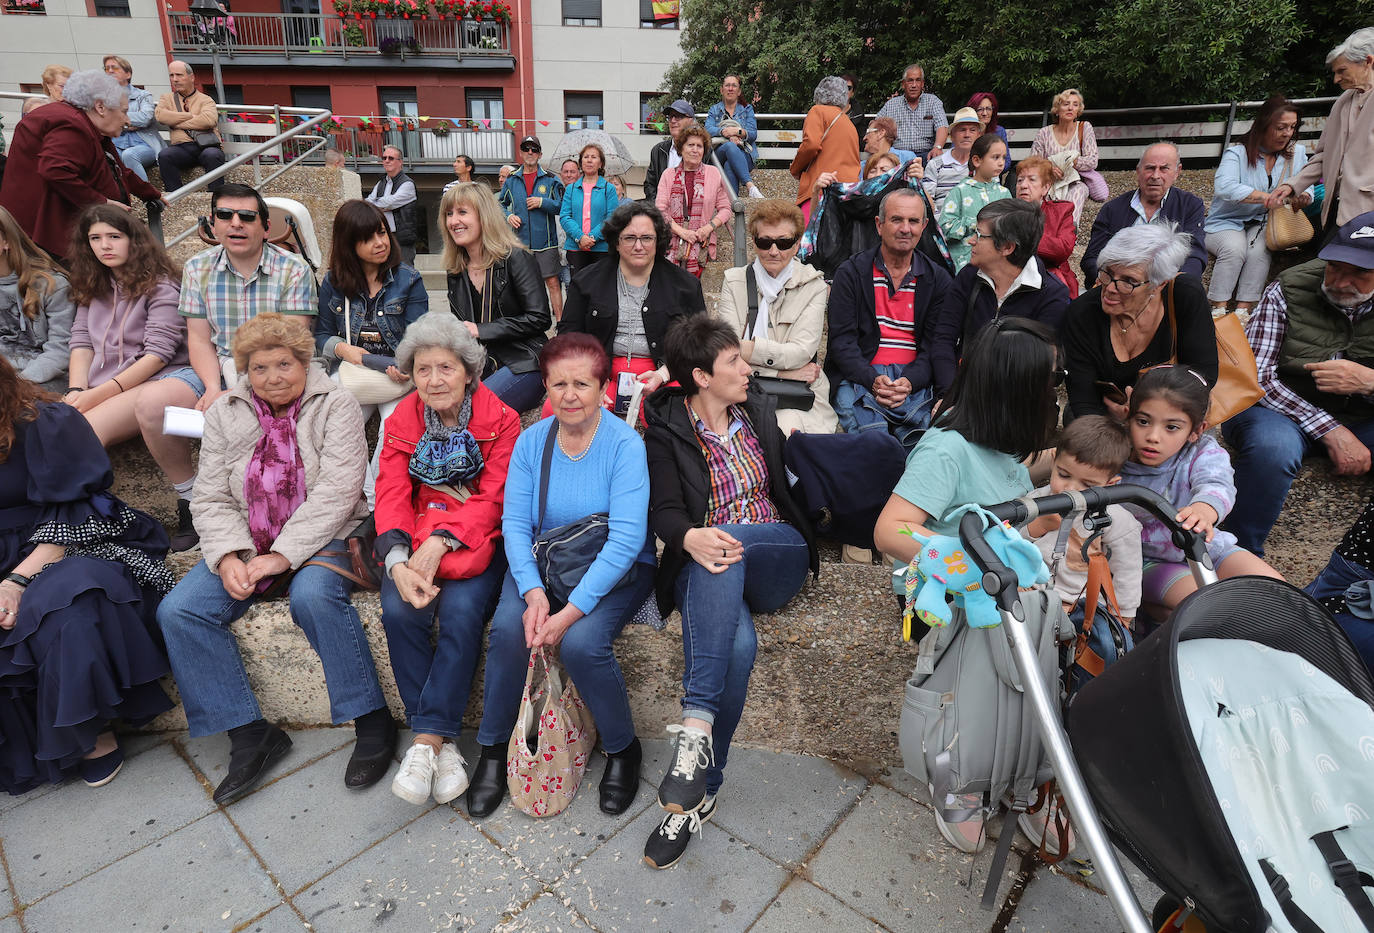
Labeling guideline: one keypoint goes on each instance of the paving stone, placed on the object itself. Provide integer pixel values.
(548, 914)
(549, 847)
(200, 878)
(281, 920)
(308, 822)
(803, 906)
(137, 743)
(722, 883)
(9, 802)
(71, 832)
(10, 924)
(439, 873)
(888, 861)
(6, 898)
(211, 753)
(1053, 903)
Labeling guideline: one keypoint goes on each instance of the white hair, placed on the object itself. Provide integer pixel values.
(442, 331)
(1159, 247)
(1178, 159)
(832, 91)
(1357, 46)
(87, 88)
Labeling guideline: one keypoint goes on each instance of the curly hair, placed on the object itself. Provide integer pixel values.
(148, 263)
(31, 264)
(269, 331)
(19, 400)
(776, 211)
(692, 132)
(620, 218)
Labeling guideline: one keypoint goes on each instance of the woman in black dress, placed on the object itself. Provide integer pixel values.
(83, 574)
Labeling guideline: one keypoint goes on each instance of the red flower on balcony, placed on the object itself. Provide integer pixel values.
(24, 6)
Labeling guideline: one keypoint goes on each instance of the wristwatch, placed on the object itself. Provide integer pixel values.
(18, 579)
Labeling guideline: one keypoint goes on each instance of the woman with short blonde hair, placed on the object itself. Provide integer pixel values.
(1068, 142)
(54, 78)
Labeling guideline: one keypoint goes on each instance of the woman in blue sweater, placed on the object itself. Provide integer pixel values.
(597, 465)
(587, 202)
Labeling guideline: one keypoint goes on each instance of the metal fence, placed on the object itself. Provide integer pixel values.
(299, 34)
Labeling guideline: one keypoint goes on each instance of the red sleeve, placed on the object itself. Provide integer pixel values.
(395, 509)
(58, 166)
(1059, 238)
(479, 517)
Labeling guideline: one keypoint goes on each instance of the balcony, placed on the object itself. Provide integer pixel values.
(326, 40)
(429, 145)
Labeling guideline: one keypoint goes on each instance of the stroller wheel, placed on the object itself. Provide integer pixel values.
(1165, 918)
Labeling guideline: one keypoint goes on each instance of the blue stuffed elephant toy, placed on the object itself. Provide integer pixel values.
(942, 566)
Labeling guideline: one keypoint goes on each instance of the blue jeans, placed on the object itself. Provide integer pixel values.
(1268, 450)
(139, 158)
(434, 679)
(718, 637)
(586, 653)
(214, 687)
(1336, 577)
(859, 411)
(737, 165)
(521, 391)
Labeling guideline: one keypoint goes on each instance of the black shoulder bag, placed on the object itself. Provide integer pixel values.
(787, 393)
(563, 554)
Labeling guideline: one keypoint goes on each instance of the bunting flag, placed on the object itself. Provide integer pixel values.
(486, 123)
(661, 127)
(456, 124)
(665, 9)
(512, 123)
(629, 125)
(543, 122)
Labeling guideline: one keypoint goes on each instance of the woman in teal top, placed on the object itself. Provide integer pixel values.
(587, 202)
(1001, 410)
(959, 216)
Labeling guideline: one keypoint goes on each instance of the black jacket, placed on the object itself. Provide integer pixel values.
(658, 161)
(593, 302)
(679, 482)
(1182, 207)
(515, 328)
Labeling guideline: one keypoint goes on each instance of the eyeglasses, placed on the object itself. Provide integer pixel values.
(986, 108)
(765, 243)
(530, 148)
(1122, 286)
(225, 213)
(391, 158)
(648, 239)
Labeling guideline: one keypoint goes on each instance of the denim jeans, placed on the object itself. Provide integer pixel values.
(586, 652)
(1336, 577)
(1268, 450)
(139, 158)
(521, 391)
(718, 637)
(859, 411)
(214, 687)
(737, 165)
(434, 678)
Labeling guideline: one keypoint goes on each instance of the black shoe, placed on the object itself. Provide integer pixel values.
(374, 750)
(668, 843)
(620, 783)
(185, 537)
(488, 785)
(249, 763)
(684, 786)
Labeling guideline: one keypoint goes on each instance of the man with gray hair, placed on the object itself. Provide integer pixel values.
(884, 304)
(920, 117)
(395, 195)
(193, 119)
(1155, 200)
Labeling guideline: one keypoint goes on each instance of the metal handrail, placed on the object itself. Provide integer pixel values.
(737, 207)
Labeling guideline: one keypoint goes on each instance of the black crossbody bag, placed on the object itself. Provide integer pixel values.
(787, 393)
(563, 554)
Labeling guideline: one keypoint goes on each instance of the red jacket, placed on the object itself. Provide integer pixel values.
(1058, 241)
(59, 163)
(408, 511)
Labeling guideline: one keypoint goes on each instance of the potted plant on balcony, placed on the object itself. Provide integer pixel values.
(353, 35)
(24, 6)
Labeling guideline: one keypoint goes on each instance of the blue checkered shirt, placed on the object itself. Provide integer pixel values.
(916, 126)
(211, 288)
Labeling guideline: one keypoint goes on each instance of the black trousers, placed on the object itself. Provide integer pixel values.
(172, 159)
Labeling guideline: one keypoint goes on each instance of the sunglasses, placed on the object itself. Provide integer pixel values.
(765, 243)
(530, 149)
(224, 213)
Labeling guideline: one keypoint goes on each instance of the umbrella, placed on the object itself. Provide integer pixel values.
(618, 159)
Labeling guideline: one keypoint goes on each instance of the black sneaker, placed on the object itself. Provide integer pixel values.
(684, 786)
(185, 536)
(668, 843)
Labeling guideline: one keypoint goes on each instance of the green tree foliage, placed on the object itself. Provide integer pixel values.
(1120, 52)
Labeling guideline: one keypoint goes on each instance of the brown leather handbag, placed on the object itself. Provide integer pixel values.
(1237, 386)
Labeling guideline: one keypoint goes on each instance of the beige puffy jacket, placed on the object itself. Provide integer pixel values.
(796, 332)
(329, 433)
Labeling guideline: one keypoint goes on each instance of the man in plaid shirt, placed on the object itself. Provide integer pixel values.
(1313, 337)
(920, 117)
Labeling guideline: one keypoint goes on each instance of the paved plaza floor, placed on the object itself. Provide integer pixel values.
(796, 844)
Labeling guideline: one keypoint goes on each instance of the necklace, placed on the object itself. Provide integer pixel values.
(586, 449)
(1127, 326)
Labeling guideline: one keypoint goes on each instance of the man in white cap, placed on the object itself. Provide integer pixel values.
(951, 167)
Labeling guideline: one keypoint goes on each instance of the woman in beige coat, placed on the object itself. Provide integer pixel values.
(280, 487)
(789, 325)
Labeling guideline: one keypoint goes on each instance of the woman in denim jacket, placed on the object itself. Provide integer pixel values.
(384, 297)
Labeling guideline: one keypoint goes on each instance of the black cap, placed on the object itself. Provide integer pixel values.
(1353, 243)
(531, 141)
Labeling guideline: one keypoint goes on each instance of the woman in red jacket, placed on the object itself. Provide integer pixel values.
(1034, 177)
(440, 490)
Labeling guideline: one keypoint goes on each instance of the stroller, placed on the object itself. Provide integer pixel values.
(1245, 787)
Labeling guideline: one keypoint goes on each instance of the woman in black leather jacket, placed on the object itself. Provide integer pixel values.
(628, 304)
(495, 289)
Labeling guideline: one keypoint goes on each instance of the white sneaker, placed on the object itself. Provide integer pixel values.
(450, 776)
(754, 191)
(965, 835)
(412, 783)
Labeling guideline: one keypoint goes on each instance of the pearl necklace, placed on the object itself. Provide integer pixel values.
(586, 449)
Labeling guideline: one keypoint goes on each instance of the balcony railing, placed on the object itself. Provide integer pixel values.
(420, 144)
(303, 34)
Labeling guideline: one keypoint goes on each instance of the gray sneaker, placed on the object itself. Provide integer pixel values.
(667, 844)
(684, 786)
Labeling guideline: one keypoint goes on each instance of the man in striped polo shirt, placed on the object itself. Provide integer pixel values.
(884, 305)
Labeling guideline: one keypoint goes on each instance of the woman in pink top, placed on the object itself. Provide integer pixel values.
(1069, 143)
(693, 198)
(587, 202)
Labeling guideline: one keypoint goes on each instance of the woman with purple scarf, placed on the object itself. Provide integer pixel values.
(280, 486)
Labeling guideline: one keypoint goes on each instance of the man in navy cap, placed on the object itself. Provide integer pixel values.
(533, 197)
(1313, 337)
(663, 156)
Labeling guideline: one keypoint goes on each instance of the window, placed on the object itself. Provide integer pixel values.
(649, 113)
(581, 12)
(665, 18)
(233, 93)
(401, 102)
(582, 109)
(111, 7)
(487, 104)
(317, 97)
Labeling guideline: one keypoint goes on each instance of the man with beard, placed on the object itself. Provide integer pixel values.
(1313, 337)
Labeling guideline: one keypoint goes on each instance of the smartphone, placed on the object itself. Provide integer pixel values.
(1111, 392)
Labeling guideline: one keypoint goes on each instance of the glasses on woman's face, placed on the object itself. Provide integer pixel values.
(647, 241)
(783, 243)
(1122, 286)
(986, 108)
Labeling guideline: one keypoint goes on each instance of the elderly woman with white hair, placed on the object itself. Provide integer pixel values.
(829, 142)
(440, 490)
(1344, 155)
(62, 159)
(1140, 313)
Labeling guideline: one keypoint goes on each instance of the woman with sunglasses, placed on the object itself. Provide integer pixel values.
(781, 329)
(1140, 313)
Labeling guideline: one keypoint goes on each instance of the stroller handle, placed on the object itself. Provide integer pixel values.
(999, 581)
